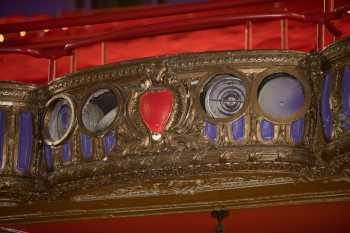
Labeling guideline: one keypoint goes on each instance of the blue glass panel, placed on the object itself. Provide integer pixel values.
(109, 141)
(297, 130)
(326, 113)
(267, 130)
(48, 157)
(210, 131)
(86, 145)
(345, 90)
(2, 134)
(65, 116)
(64, 113)
(66, 153)
(238, 127)
(25, 141)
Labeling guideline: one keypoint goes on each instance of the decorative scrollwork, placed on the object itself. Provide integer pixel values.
(249, 157)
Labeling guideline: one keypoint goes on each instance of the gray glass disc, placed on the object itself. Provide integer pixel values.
(100, 110)
(224, 96)
(281, 95)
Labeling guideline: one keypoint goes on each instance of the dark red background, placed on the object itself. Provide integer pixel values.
(311, 218)
(266, 35)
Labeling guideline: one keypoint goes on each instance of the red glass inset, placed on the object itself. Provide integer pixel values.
(155, 109)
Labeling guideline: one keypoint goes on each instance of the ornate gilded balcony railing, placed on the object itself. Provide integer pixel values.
(178, 133)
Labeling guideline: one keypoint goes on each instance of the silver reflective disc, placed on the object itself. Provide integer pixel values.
(100, 110)
(224, 96)
(59, 120)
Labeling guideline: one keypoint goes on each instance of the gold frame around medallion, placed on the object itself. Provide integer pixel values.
(154, 83)
(120, 105)
(296, 73)
(69, 98)
(212, 72)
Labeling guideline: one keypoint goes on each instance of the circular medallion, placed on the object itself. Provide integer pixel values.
(281, 96)
(223, 96)
(100, 110)
(58, 120)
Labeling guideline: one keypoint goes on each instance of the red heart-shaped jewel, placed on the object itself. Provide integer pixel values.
(155, 109)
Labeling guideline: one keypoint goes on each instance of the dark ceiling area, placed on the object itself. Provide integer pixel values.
(56, 8)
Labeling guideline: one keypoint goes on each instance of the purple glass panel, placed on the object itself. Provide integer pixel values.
(25, 141)
(326, 113)
(297, 130)
(345, 90)
(109, 141)
(48, 157)
(238, 127)
(281, 95)
(2, 133)
(267, 130)
(65, 116)
(86, 145)
(66, 153)
(210, 131)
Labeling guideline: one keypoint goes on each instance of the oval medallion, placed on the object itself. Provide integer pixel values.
(155, 109)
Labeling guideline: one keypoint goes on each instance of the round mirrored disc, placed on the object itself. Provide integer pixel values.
(60, 119)
(224, 96)
(281, 95)
(100, 110)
